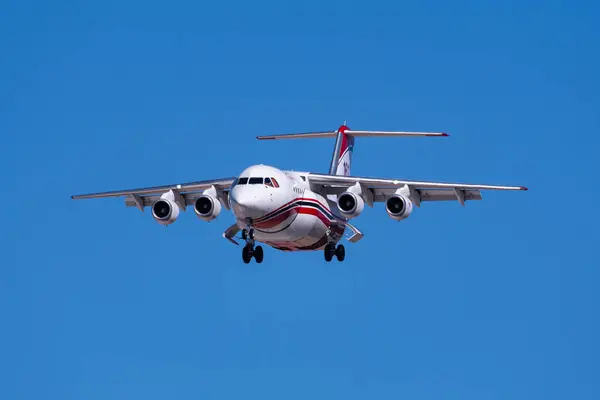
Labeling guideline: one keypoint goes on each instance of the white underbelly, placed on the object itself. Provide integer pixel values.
(305, 227)
(302, 225)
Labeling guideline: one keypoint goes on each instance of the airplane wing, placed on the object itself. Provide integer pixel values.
(145, 197)
(379, 190)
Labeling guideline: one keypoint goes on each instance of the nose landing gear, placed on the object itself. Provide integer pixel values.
(331, 250)
(248, 235)
(249, 251)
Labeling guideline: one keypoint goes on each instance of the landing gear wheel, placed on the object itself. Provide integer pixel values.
(329, 252)
(258, 254)
(247, 254)
(340, 253)
(244, 234)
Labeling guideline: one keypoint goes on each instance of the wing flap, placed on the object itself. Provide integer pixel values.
(381, 195)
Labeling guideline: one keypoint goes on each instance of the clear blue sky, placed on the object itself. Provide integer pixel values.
(495, 300)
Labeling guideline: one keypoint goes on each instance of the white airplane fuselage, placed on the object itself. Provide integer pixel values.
(282, 210)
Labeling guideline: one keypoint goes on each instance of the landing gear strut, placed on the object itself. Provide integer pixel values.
(248, 234)
(249, 249)
(331, 250)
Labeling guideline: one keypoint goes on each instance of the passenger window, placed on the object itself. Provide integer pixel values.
(274, 182)
(255, 181)
(242, 181)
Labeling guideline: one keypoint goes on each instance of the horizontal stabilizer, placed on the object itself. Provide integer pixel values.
(305, 135)
(393, 133)
(348, 132)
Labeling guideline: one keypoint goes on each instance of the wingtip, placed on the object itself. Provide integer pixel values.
(445, 134)
(524, 188)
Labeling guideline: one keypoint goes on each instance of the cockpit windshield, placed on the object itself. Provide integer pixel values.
(271, 182)
(255, 180)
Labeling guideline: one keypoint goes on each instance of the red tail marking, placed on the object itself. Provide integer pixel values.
(342, 129)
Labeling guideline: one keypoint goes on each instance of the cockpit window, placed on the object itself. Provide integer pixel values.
(255, 180)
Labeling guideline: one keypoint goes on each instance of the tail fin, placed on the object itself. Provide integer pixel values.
(341, 160)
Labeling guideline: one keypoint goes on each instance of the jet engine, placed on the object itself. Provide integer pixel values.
(350, 204)
(207, 207)
(398, 207)
(165, 211)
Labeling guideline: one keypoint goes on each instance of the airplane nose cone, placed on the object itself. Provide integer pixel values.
(240, 202)
(246, 205)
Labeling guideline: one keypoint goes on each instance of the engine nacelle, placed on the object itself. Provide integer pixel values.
(165, 211)
(207, 207)
(350, 204)
(398, 207)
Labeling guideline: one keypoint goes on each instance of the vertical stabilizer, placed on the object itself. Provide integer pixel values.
(341, 160)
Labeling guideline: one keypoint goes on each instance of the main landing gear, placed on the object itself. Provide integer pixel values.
(331, 250)
(249, 249)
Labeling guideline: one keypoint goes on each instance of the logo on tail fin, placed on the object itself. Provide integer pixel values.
(346, 168)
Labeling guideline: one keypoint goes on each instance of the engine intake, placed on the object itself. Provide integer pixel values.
(207, 207)
(398, 207)
(165, 211)
(350, 204)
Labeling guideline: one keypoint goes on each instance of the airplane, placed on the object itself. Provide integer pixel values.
(298, 211)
